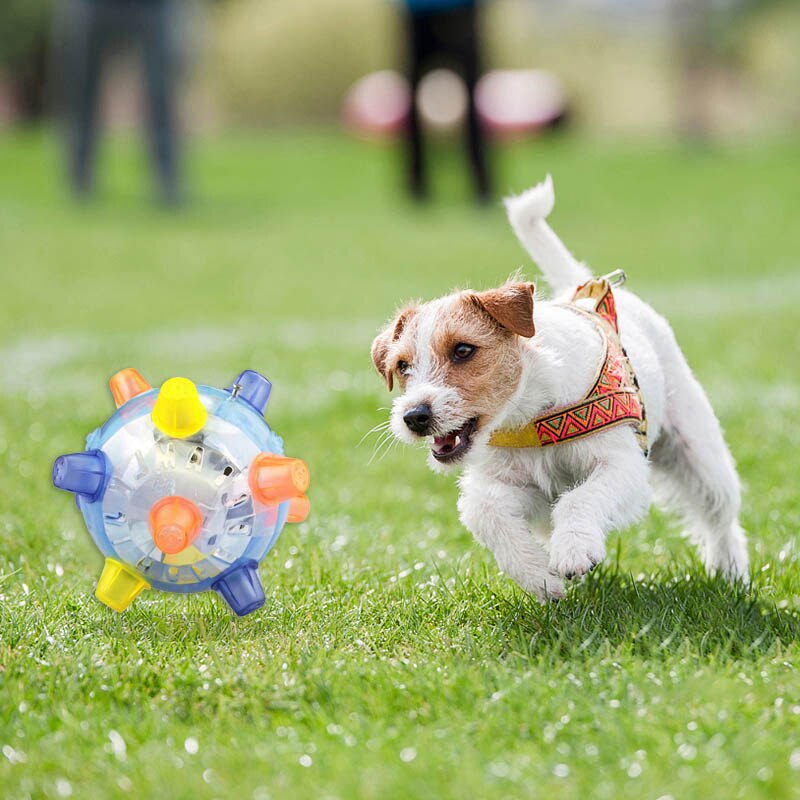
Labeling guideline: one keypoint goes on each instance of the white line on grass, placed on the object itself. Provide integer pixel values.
(63, 363)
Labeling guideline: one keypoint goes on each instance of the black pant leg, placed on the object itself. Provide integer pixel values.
(449, 37)
(159, 66)
(469, 54)
(83, 54)
(419, 36)
(476, 147)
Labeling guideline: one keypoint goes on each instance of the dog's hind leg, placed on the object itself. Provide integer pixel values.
(694, 474)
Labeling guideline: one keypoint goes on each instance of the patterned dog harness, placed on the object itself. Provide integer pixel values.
(614, 397)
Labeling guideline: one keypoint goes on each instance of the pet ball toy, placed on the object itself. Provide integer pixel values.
(185, 488)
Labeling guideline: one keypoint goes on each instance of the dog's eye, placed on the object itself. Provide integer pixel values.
(463, 351)
(403, 367)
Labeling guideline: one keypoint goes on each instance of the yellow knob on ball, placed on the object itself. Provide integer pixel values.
(178, 411)
(119, 585)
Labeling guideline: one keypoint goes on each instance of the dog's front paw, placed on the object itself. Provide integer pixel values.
(573, 554)
(544, 586)
(728, 556)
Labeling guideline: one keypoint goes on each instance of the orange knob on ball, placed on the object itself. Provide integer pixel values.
(298, 509)
(175, 523)
(275, 479)
(127, 383)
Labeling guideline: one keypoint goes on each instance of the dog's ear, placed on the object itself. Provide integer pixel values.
(511, 306)
(380, 347)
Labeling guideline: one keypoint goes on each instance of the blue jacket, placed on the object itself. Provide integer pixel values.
(428, 6)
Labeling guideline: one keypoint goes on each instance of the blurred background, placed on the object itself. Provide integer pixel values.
(196, 188)
(626, 65)
(703, 69)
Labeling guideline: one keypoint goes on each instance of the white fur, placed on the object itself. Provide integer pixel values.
(546, 512)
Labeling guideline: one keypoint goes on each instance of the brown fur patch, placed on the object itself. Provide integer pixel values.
(511, 306)
(492, 321)
(488, 378)
(383, 343)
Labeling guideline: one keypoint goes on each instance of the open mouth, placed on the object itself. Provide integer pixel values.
(453, 445)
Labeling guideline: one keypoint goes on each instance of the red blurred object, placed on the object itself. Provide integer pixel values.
(377, 104)
(520, 101)
(510, 102)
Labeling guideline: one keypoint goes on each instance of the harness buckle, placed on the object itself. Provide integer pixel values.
(616, 278)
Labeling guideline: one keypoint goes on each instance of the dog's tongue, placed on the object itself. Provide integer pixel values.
(443, 444)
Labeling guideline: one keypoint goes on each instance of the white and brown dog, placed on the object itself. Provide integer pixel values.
(474, 366)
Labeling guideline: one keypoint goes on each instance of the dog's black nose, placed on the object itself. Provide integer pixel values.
(419, 419)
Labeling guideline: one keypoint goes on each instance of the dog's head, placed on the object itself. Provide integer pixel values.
(457, 361)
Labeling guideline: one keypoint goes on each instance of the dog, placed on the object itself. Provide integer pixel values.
(484, 373)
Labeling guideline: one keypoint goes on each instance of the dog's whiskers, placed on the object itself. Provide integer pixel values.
(384, 445)
(379, 428)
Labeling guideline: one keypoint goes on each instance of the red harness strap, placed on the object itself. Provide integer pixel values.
(613, 399)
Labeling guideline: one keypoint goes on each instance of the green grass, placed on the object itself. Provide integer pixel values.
(391, 660)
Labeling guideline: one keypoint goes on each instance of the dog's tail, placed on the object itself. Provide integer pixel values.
(527, 213)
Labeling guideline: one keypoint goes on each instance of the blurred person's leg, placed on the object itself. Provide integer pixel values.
(419, 47)
(694, 36)
(83, 55)
(155, 18)
(466, 47)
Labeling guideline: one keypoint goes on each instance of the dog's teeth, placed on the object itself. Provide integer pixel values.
(457, 442)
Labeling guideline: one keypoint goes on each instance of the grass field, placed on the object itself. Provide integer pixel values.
(391, 659)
